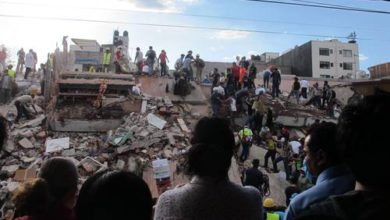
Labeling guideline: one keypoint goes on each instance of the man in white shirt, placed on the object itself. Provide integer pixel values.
(30, 63)
(139, 58)
(304, 87)
(295, 146)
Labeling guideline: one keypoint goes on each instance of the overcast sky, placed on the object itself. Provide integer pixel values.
(40, 24)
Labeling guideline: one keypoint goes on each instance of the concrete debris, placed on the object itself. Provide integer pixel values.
(25, 175)
(53, 145)
(25, 143)
(156, 121)
(10, 169)
(120, 164)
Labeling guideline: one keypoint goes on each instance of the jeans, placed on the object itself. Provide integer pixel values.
(272, 154)
(285, 163)
(163, 70)
(266, 82)
(245, 151)
(28, 70)
(216, 109)
(150, 65)
(5, 95)
(304, 92)
(275, 90)
(294, 93)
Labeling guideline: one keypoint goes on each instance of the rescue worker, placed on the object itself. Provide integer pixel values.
(10, 72)
(270, 212)
(106, 60)
(245, 136)
(5, 87)
(22, 104)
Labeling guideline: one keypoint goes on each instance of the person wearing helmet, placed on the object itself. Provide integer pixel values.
(270, 210)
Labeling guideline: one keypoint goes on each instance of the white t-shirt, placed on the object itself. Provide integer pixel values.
(220, 90)
(304, 83)
(260, 90)
(30, 61)
(295, 145)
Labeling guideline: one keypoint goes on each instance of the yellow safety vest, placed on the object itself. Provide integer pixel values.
(106, 58)
(92, 69)
(272, 216)
(11, 73)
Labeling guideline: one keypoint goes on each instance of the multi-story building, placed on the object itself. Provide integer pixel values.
(379, 71)
(268, 56)
(322, 59)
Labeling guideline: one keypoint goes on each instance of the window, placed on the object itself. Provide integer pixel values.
(331, 51)
(331, 64)
(341, 65)
(340, 52)
(347, 53)
(347, 66)
(324, 52)
(325, 76)
(324, 65)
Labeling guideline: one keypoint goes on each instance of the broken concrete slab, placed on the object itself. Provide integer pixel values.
(123, 149)
(11, 169)
(25, 143)
(291, 121)
(156, 121)
(183, 125)
(120, 164)
(53, 145)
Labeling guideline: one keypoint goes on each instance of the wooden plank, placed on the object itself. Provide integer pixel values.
(94, 82)
(183, 125)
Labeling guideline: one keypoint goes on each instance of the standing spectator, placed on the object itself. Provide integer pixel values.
(30, 62)
(244, 63)
(216, 102)
(5, 87)
(150, 59)
(317, 93)
(111, 195)
(271, 152)
(3, 55)
(3, 131)
(276, 80)
(284, 154)
(19, 66)
(138, 60)
(163, 59)
(52, 196)
(295, 90)
(106, 60)
(187, 68)
(260, 110)
(360, 127)
(304, 87)
(266, 76)
(253, 176)
(236, 74)
(325, 90)
(118, 59)
(210, 194)
(179, 62)
(35, 60)
(199, 64)
(245, 136)
(323, 162)
(252, 75)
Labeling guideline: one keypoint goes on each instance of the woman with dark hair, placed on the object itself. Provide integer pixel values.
(113, 195)
(210, 194)
(54, 192)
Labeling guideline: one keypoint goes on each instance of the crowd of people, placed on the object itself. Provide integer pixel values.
(344, 163)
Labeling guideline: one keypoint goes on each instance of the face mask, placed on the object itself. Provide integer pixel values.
(308, 175)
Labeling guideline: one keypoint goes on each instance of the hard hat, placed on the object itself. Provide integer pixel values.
(268, 203)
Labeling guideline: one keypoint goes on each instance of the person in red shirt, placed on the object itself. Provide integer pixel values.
(163, 58)
(242, 75)
(236, 74)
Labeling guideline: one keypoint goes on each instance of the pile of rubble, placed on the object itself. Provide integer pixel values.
(157, 131)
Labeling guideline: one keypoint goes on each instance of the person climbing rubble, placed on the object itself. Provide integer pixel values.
(23, 104)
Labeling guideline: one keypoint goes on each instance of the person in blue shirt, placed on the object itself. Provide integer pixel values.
(322, 160)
